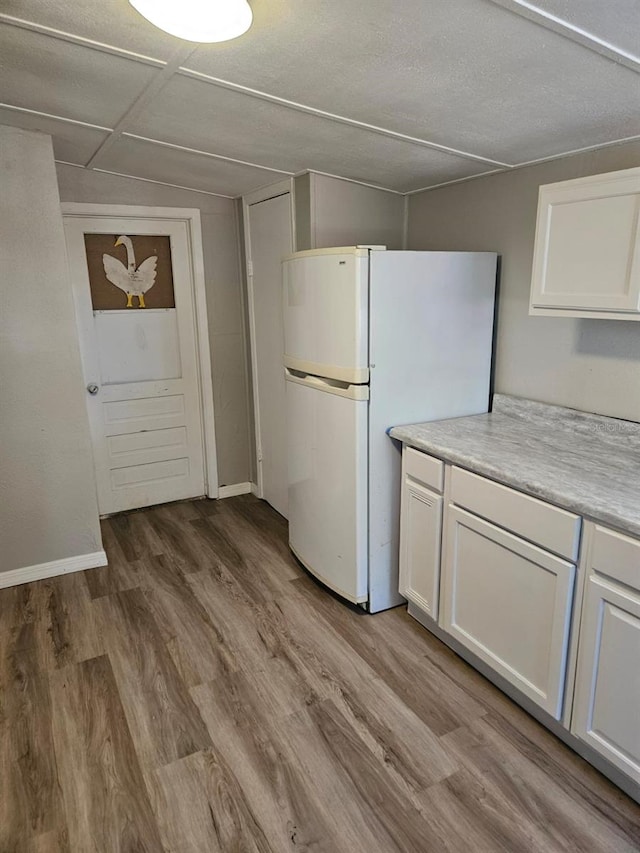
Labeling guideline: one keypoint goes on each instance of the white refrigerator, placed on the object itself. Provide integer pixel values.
(373, 339)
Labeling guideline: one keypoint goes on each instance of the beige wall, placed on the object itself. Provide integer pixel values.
(224, 297)
(336, 212)
(593, 365)
(302, 200)
(47, 488)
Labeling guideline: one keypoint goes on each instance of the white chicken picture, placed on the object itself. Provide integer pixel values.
(134, 282)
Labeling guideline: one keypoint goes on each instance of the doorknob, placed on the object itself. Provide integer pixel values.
(92, 388)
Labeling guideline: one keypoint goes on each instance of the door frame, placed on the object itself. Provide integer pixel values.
(191, 217)
(263, 194)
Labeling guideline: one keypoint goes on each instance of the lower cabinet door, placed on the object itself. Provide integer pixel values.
(420, 535)
(509, 602)
(606, 708)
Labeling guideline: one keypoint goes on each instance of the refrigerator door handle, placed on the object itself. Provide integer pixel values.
(329, 386)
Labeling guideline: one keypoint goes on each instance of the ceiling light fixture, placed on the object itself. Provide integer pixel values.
(198, 20)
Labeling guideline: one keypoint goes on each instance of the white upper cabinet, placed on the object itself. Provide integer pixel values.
(587, 250)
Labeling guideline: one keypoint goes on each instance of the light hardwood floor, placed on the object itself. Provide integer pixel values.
(202, 693)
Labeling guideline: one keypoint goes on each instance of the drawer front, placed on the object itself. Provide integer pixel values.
(424, 469)
(616, 556)
(509, 602)
(539, 522)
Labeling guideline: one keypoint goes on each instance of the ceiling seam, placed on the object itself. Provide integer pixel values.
(577, 35)
(460, 180)
(55, 117)
(349, 180)
(584, 150)
(155, 85)
(31, 26)
(305, 108)
(197, 151)
(163, 183)
(405, 194)
(427, 188)
(526, 164)
(146, 180)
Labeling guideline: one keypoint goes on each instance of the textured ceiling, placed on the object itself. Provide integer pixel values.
(401, 95)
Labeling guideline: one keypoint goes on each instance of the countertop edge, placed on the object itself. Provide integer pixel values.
(533, 488)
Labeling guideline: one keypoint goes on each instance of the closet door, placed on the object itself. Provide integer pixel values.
(268, 238)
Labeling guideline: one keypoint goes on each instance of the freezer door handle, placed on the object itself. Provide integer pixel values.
(352, 375)
(329, 386)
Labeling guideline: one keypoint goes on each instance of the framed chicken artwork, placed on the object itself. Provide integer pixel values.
(129, 271)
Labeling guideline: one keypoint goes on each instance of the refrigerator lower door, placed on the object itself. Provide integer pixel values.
(327, 426)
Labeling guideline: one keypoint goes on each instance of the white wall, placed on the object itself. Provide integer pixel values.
(224, 297)
(47, 489)
(593, 365)
(336, 212)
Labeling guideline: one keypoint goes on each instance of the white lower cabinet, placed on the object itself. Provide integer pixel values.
(509, 602)
(505, 572)
(421, 529)
(420, 525)
(606, 710)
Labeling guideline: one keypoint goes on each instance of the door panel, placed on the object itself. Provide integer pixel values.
(420, 533)
(145, 418)
(509, 602)
(138, 346)
(606, 711)
(269, 238)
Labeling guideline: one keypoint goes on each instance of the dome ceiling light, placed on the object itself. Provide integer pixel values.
(198, 20)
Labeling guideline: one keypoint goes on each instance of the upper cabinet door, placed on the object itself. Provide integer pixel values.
(587, 249)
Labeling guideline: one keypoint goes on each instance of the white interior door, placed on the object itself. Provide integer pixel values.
(269, 240)
(140, 362)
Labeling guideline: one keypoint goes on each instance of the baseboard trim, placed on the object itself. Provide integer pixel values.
(233, 490)
(15, 577)
(255, 490)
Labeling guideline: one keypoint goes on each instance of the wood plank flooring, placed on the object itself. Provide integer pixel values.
(201, 694)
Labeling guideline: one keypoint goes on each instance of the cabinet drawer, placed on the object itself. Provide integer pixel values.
(424, 468)
(616, 556)
(539, 522)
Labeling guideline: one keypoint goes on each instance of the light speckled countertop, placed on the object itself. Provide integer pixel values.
(585, 463)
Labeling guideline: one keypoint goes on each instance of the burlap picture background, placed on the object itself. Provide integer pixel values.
(105, 296)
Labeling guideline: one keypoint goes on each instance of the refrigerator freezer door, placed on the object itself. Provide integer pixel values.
(326, 315)
(327, 438)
